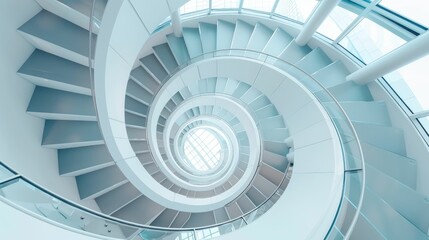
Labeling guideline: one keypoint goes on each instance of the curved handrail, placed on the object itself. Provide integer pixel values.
(226, 53)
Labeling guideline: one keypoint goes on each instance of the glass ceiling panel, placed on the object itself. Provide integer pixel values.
(217, 4)
(369, 41)
(259, 5)
(202, 150)
(338, 20)
(298, 10)
(411, 84)
(194, 5)
(416, 10)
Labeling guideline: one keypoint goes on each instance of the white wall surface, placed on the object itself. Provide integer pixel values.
(20, 133)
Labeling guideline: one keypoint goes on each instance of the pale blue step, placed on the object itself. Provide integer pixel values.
(277, 43)
(277, 147)
(54, 104)
(275, 160)
(255, 196)
(208, 33)
(144, 79)
(331, 75)
(272, 174)
(136, 133)
(59, 37)
(361, 111)
(165, 56)
(47, 70)
(398, 167)
(118, 198)
(145, 158)
(277, 134)
(135, 107)
(387, 138)
(272, 122)
(259, 102)
(364, 230)
(225, 33)
(266, 112)
(392, 211)
(140, 146)
(251, 95)
(347, 91)
(221, 215)
(135, 91)
(260, 37)
(193, 41)
(241, 89)
(77, 161)
(84, 7)
(178, 47)
(293, 52)
(165, 218)
(314, 61)
(68, 134)
(263, 185)
(180, 220)
(242, 33)
(97, 183)
(200, 219)
(152, 65)
(134, 212)
(245, 204)
(135, 120)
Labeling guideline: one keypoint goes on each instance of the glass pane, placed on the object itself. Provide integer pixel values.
(5, 173)
(216, 4)
(194, 5)
(338, 20)
(298, 10)
(369, 41)
(40, 203)
(259, 5)
(425, 123)
(416, 10)
(410, 83)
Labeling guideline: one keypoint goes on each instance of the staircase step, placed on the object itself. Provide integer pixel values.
(76, 11)
(361, 111)
(266, 112)
(165, 56)
(180, 220)
(314, 61)
(97, 183)
(47, 70)
(410, 204)
(142, 210)
(135, 91)
(208, 34)
(200, 219)
(60, 37)
(220, 215)
(178, 47)
(278, 134)
(388, 138)
(293, 52)
(331, 75)
(245, 204)
(274, 160)
(152, 65)
(277, 147)
(135, 120)
(54, 104)
(264, 186)
(225, 34)
(277, 43)
(193, 42)
(145, 80)
(165, 218)
(135, 107)
(78, 161)
(116, 199)
(260, 37)
(347, 91)
(242, 33)
(70, 134)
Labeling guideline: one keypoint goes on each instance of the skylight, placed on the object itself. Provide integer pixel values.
(202, 150)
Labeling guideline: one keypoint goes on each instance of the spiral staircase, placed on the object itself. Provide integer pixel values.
(392, 208)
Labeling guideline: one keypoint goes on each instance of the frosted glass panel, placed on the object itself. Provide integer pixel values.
(298, 10)
(260, 5)
(416, 10)
(194, 5)
(338, 20)
(216, 4)
(369, 41)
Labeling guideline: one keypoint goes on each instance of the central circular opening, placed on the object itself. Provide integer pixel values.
(202, 150)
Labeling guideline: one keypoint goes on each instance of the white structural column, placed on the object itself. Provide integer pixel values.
(176, 23)
(407, 53)
(316, 19)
